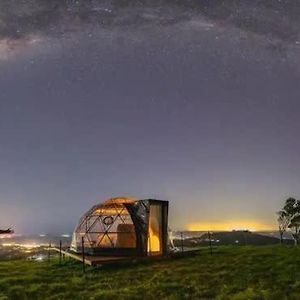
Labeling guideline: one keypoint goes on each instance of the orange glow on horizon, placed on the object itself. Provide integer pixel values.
(230, 225)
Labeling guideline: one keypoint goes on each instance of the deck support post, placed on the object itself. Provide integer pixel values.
(49, 251)
(60, 254)
(210, 245)
(181, 235)
(83, 254)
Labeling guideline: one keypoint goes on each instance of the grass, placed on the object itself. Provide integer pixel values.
(271, 272)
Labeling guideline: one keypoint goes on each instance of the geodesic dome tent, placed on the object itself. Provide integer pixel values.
(123, 226)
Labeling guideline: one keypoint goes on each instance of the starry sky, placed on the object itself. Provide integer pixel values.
(194, 101)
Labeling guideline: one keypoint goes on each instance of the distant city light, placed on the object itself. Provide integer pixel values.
(6, 236)
(66, 235)
(27, 246)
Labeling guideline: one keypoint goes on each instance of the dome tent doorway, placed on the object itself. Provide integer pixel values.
(124, 227)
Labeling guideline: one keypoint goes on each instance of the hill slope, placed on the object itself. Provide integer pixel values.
(271, 272)
(232, 238)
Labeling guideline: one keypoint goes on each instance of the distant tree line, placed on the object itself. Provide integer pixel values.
(289, 219)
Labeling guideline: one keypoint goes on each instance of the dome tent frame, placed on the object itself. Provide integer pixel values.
(124, 227)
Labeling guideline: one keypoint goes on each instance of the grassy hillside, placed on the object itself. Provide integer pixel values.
(269, 272)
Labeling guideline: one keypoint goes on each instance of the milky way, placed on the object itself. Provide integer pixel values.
(24, 22)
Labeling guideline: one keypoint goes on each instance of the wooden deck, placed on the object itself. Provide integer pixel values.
(94, 260)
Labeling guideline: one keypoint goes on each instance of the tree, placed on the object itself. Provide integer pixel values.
(289, 217)
(283, 223)
(295, 226)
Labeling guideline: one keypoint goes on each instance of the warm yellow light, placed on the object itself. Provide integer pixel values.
(111, 211)
(7, 244)
(153, 241)
(230, 225)
(30, 246)
(119, 200)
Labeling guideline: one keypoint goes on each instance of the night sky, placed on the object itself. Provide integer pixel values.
(197, 102)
